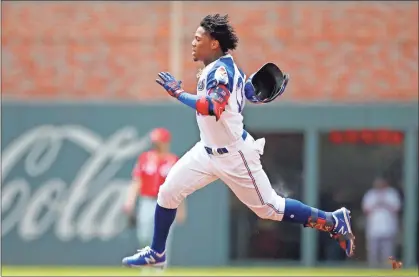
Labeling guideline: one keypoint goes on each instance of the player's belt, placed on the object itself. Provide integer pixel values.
(222, 150)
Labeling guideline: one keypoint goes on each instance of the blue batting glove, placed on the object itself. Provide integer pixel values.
(170, 84)
(249, 90)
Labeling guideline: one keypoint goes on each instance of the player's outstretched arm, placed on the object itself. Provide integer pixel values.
(213, 104)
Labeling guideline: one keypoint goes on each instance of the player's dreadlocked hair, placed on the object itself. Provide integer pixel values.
(219, 28)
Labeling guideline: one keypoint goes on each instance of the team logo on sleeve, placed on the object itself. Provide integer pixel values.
(221, 75)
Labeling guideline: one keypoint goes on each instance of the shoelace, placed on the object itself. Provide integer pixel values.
(144, 251)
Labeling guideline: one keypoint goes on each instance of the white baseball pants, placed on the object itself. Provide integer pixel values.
(240, 169)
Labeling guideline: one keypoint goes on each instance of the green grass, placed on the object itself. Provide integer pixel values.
(229, 271)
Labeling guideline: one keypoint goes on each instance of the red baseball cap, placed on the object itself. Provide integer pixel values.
(160, 135)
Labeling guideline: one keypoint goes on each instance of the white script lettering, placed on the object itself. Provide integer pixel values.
(88, 207)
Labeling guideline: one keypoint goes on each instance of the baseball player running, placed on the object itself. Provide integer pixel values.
(225, 150)
(148, 175)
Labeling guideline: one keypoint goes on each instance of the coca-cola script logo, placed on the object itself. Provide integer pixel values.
(70, 210)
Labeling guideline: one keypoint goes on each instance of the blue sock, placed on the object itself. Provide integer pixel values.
(163, 219)
(297, 212)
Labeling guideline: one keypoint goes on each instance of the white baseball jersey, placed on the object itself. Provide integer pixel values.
(382, 220)
(239, 167)
(229, 128)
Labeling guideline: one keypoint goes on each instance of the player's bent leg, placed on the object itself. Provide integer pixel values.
(260, 198)
(244, 174)
(337, 223)
(193, 171)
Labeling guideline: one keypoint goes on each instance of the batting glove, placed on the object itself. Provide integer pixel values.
(170, 84)
(249, 90)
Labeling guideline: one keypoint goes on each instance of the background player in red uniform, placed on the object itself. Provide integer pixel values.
(148, 175)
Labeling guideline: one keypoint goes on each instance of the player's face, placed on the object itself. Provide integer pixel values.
(202, 45)
(162, 146)
(379, 183)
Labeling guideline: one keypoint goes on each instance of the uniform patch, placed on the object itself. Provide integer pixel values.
(201, 84)
(221, 75)
(222, 71)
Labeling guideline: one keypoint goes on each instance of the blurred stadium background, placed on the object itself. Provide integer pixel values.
(79, 98)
